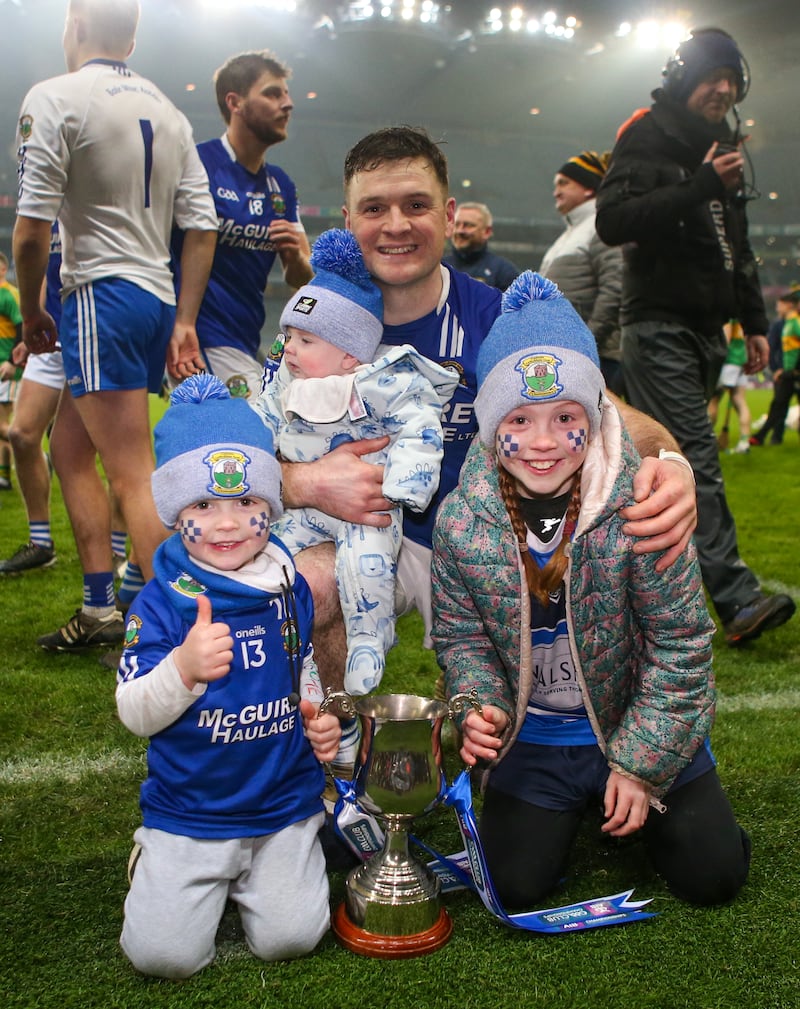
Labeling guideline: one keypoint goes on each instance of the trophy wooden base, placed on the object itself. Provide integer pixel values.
(390, 947)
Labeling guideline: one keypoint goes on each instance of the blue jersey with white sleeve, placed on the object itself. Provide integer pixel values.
(232, 312)
(230, 759)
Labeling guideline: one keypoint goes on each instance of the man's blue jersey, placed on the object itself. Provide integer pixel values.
(232, 313)
(52, 302)
(451, 335)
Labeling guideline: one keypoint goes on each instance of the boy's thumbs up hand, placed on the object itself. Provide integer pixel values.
(207, 651)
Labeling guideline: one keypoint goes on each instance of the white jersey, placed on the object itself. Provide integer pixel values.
(108, 154)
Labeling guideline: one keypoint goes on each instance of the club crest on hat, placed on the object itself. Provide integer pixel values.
(228, 472)
(540, 376)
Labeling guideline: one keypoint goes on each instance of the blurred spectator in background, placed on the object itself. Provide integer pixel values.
(588, 271)
(470, 253)
(787, 377)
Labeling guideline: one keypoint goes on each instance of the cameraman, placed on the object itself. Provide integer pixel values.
(673, 196)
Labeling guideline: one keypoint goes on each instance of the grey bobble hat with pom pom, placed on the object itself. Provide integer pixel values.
(538, 350)
(341, 304)
(210, 445)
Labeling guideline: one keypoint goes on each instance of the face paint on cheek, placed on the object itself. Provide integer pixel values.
(260, 523)
(190, 531)
(507, 446)
(577, 439)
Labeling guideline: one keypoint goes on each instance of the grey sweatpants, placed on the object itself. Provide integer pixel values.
(180, 886)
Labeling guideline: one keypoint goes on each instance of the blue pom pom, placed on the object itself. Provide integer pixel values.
(337, 252)
(198, 388)
(528, 287)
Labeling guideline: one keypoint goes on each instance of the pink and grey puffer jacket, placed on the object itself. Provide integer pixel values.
(640, 640)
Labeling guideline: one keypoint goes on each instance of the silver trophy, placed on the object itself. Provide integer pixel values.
(392, 907)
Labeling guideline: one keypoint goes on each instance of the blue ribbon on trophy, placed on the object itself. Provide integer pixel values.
(467, 869)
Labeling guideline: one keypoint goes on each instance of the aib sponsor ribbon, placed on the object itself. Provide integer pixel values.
(617, 909)
(468, 869)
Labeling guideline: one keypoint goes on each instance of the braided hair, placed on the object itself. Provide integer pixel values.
(541, 581)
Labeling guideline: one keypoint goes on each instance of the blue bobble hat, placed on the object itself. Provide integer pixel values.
(210, 445)
(341, 304)
(538, 350)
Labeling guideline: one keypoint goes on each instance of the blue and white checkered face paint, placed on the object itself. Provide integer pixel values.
(260, 524)
(507, 445)
(578, 439)
(190, 530)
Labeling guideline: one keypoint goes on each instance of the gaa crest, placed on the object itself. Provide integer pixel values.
(228, 472)
(187, 586)
(540, 376)
(132, 630)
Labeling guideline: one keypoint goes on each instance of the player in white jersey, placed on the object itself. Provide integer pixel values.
(108, 153)
(397, 206)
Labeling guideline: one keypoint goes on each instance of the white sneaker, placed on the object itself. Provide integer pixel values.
(742, 446)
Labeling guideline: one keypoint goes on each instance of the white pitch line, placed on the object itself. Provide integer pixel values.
(784, 699)
(51, 767)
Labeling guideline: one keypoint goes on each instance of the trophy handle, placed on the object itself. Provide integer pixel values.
(460, 702)
(343, 704)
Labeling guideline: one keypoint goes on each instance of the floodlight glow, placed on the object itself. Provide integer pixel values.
(386, 12)
(569, 33)
(229, 6)
(495, 14)
(516, 13)
(549, 17)
(533, 26)
(672, 34)
(514, 26)
(648, 34)
(571, 22)
(624, 29)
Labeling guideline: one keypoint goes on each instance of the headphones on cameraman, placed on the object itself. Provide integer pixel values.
(678, 64)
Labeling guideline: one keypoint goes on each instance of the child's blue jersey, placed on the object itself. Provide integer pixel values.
(232, 312)
(236, 763)
(451, 335)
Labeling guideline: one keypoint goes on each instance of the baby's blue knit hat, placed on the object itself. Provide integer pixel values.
(341, 304)
(538, 350)
(210, 445)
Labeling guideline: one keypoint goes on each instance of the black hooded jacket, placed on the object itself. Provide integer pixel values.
(687, 255)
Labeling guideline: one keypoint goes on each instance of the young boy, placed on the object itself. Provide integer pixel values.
(331, 388)
(218, 671)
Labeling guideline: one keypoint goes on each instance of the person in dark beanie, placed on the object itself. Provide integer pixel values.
(674, 196)
(587, 271)
(587, 692)
(218, 671)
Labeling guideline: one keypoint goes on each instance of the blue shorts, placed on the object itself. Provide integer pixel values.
(114, 335)
(567, 777)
